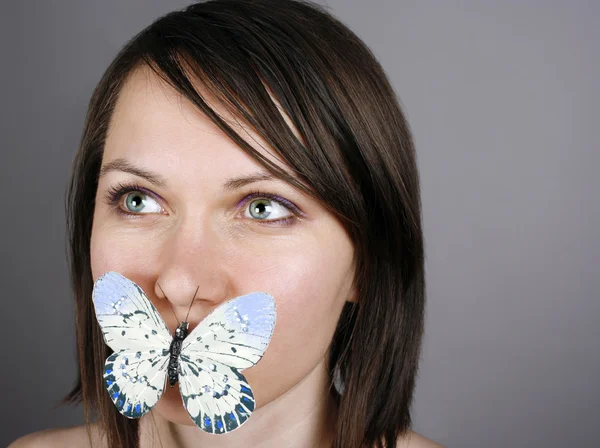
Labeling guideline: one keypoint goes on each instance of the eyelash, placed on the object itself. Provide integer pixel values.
(114, 195)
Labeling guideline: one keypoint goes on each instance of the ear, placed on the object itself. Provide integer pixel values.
(352, 295)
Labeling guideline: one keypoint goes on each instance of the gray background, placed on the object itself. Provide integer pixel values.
(503, 98)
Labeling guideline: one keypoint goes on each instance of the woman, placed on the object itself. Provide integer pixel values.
(255, 145)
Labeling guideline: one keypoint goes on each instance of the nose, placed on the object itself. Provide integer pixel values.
(192, 272)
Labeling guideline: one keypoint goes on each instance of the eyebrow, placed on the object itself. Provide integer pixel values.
(124, 165)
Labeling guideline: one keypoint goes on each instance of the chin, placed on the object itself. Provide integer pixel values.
(170, 407)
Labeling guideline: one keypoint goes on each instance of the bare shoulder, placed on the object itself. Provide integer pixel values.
(59, 437)
(413, 439)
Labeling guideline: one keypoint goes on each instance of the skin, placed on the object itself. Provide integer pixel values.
(195, 238)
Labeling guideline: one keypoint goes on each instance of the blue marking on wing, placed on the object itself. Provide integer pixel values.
(230, 421)
(241, 413)
(218, 424)
(207, 424)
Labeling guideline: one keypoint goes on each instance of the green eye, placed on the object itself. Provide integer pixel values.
(263, 208)
(136, 201)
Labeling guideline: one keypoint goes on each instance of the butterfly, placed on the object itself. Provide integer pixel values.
(206, 362)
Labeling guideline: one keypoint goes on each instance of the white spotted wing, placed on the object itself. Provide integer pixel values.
(231, 338)
(135, 373)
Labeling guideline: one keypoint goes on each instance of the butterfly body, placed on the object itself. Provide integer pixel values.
(174, 350)
(206, 362)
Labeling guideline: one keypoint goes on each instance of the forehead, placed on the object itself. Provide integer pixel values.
(154, 124)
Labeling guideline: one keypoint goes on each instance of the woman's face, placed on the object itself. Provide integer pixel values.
(193, 226)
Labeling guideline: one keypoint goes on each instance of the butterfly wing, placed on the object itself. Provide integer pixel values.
(127, 317)
(135, 380)
(135, 373)
(232, 338)
(236, 333)
(217, 397)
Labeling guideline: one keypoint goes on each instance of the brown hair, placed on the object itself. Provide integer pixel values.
(355, 155)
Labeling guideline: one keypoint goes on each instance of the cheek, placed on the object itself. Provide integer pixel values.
(310, 289)
(103, 253)
(113, 249)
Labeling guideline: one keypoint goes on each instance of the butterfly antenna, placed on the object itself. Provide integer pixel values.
(170, 307)
(188, 313)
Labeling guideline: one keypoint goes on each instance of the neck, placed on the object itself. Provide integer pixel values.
(303, 416)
